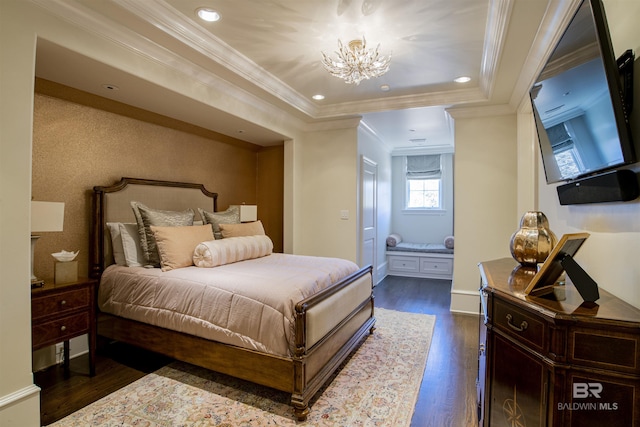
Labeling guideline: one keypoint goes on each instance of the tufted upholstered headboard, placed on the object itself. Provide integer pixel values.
(112, 204)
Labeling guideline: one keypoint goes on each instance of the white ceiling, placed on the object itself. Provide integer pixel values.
(272, 50)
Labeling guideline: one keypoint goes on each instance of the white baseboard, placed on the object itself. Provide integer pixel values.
(381, 273)
(21, 407)
(467, 302)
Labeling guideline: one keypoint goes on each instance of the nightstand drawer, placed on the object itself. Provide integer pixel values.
(520, 324)
(59, 330)
(60, 303)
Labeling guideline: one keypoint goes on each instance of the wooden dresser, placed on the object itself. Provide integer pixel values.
(554, 360)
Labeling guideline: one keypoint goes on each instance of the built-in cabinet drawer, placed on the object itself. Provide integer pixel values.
(436, 266)
(408, 265)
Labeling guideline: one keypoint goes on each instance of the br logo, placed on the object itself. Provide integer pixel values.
(584, 390)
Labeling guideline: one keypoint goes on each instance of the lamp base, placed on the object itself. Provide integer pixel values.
(37, 283)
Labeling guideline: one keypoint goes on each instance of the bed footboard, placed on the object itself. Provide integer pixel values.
(329, 327)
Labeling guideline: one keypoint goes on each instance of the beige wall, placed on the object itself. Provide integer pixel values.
(76, 147)
(485, 198)
(270, 193)
(325, 182)
(19, 398)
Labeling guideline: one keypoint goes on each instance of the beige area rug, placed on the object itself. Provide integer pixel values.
(377, 386)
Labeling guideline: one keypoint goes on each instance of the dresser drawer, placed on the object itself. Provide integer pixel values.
(43, 306)
(520, 324)
(605, 349)
(404, 264)
(62, 329)
(436, 266)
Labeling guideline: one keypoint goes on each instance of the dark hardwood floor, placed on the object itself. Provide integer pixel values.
(447, 395)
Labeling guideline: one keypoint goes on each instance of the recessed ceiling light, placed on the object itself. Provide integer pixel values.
(385, 88)
(462, 79)
(110, 86)
(318, 97)
(207, 14)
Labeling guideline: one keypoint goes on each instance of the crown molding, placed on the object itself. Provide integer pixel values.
(364, 127)
(164, 17)
(88, 20)
(480, 111)
(556, 19)
(167, 19)
(431, 99)
(496, 34)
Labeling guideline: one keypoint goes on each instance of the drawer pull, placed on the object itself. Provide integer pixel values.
(523, 326)
(63, 302)
(63, 328)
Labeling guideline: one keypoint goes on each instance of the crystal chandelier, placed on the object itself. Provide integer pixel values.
(355, 63)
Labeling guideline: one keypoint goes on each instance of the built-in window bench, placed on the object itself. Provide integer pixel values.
(427, 260)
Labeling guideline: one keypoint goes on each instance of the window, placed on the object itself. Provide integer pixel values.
(424, 182)
(568, 159)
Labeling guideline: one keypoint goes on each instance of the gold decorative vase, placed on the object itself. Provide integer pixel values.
(533, 242)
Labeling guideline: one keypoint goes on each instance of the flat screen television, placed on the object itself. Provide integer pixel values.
(578, 101)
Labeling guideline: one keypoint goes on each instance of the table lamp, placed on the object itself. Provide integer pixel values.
(248, 213)
(45, 217)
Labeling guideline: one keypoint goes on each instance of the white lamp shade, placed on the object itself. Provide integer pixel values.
(47, 216)
(248, 213)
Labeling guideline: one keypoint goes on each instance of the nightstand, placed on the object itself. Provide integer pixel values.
(62, 312)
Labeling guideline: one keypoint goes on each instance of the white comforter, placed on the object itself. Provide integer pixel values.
(250, 303)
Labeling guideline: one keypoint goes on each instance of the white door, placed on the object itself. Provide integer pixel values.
(369, 212)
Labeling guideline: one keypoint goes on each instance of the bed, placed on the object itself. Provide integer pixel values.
(292, 337)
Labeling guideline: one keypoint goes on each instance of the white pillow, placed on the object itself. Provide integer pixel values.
(126, 244)
(229, 250)
(116, 243)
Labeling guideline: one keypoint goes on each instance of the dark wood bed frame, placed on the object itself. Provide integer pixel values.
(302, 375)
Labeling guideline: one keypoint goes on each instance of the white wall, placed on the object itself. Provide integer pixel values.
(610, 255)
(485, 198)
(373, 149)
(422, 227)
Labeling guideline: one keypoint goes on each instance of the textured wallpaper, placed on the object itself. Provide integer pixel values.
(77, 146)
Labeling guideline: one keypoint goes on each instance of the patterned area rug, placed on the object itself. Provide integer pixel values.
(377, 386)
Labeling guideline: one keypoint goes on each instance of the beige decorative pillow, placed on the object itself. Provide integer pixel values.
(254, 228)
(214, 253)
(146, 217)
(230, 216)
(176, 244)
